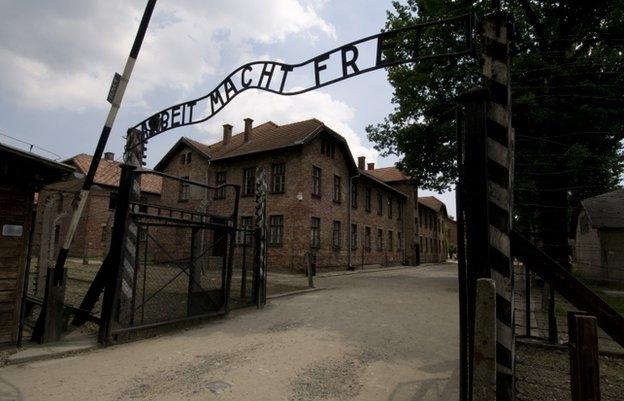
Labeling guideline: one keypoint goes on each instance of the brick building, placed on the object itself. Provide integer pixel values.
(21, 175)
(432, 217)
(93, 235)
(450, 230)
(395, 178)
(319, 200)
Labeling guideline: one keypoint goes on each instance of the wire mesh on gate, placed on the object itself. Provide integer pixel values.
(180, 264)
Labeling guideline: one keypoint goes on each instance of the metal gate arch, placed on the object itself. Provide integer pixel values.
(485, 158)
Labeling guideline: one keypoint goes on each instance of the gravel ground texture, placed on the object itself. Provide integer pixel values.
(389, 335)
(543, 374)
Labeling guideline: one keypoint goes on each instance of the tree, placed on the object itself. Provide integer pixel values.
(567, 85)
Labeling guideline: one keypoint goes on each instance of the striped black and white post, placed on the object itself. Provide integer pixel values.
(133, 156)
(496, 31)
(115, 96)
(261, 229)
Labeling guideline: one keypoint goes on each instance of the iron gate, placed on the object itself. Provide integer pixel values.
(175, 260)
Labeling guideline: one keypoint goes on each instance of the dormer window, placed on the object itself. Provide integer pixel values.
(328, 148)
(186, 158)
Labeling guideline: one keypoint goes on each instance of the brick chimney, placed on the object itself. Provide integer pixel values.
(371, 166)
(248, 126)
(362, 162)
(109, 156)
(227, 133)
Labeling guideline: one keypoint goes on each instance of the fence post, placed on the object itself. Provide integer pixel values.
(485, 150)
(261, 249)
(584, 364)
(497, 31)
(484, 359)
(115, 255)
(472, 219)
(527, 301)
(309, 269)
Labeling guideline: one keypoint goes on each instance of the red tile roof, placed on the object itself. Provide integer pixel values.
(388, 174)
(108, 173)
(264, 137)
(432, 203)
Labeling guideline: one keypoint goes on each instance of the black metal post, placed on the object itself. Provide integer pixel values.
(231, 244)
(112, 277)
(473, 218)
(553, 336)
(527, 300)
(464, 361)
(244, 265)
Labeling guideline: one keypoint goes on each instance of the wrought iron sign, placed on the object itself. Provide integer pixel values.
(409, 44)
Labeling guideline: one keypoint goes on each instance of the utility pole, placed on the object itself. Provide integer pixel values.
(115, 96)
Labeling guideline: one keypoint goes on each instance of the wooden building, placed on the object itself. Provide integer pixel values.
(22, 175)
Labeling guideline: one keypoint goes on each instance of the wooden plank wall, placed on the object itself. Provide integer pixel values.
(15, 208)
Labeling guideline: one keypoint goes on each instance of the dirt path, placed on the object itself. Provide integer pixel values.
(374, 336)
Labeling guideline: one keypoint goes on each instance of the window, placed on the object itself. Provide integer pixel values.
(379, 239)
(367, 238)
(399, 241)
(336, 234)
(315, 232)
(368, 200)
(389, 207)
(104, 235)
(59, 204)
(379, 203)
(316, 181)
(354, 200)
(278, 176)
(337, 189)
(328, 148)
(276, 230)
(400, 209)
(220, 179)
(244, 235)
(249, 181)
(390, 242)
(353, 236)
(186, 158)
(183, 196)
(112, 201)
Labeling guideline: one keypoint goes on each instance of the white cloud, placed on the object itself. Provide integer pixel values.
(62, 54)
(263, 106)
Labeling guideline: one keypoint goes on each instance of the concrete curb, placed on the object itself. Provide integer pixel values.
(53, 351)
(291, 293)
(377, 270)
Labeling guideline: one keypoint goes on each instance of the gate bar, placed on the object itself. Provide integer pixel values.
(112, 277)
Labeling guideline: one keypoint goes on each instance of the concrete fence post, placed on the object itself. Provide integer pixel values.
(484, 357)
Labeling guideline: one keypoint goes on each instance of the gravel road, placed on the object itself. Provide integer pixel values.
(373, 336)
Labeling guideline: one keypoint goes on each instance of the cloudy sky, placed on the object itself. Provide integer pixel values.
(57, 59)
